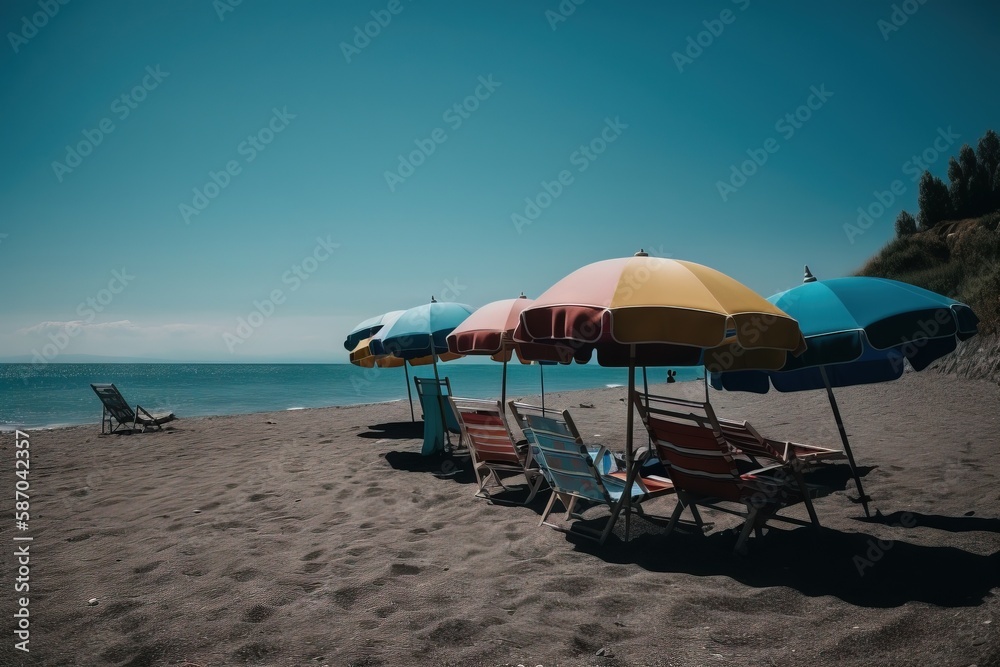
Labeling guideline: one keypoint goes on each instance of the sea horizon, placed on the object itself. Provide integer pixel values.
(58, 395)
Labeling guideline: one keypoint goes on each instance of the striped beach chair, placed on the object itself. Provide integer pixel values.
(576, 471)
(705, 471)
(742, 436)
(494, 452)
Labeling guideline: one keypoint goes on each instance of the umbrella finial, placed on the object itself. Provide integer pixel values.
(642, 253)
(522, 295)
(433, 300)
(808, 277)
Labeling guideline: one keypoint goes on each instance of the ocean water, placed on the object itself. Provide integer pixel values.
(60, 394)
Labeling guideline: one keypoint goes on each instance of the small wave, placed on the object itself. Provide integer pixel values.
(294, 408)
(612, 386)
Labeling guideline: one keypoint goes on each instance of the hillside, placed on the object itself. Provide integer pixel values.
(960, 259)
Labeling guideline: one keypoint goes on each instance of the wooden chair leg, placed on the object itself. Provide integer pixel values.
(678, 509)
(548, 508)
(749, 525)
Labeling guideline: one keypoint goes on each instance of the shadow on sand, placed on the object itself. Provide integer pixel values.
(855, 567)
(394, 431)
(951, 524)
(442, 466)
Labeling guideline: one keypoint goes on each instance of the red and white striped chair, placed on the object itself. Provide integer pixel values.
(495, 454)
(706, 471)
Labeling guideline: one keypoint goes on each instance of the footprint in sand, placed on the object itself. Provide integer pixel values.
(243, 575)
(346, 597)
(231, 486)
(149, 567)
(313, 555)
(258, 613)
(253, 652)
(116, 609)
(257, 497)
(399, 569)
(313, 567)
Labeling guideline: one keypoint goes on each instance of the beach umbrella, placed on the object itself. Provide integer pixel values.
(359, 344)
(858, 330)
(489, 331)
(362, 356)
(653, 311)
(365, 330)
(422, 332)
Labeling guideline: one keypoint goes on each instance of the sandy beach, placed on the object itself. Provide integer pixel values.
(322, 537)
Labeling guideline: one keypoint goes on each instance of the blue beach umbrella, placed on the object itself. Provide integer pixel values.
(369, 328)
(858, 330)
(359, 344)
(422, 331)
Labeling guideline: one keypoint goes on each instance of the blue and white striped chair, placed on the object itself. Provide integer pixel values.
(577, 471)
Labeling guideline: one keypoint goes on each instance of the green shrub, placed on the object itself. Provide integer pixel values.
(907, 254)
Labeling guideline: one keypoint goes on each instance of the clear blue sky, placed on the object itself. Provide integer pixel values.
(278, 71)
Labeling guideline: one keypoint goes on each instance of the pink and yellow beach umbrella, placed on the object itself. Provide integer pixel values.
(653, 311)
(489, 331)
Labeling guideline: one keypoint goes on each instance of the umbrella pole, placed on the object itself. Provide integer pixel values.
(843, 438)
(444, 419)
(629, 467)
(541, 377)
(409, 393)
(503, 384)
(645, 390)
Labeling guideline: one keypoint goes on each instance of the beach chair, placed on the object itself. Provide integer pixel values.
(576, 471)
(115, 409)
(439, 419)
(494, 452)
(705, 471)
(742, 436)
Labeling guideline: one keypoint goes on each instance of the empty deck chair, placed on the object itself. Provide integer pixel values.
(744, 437)
(576, 471)
(115, 409)
(439, 419)
(705, 472)
(494, 452)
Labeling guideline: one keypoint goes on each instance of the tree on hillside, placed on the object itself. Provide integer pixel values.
(905, 224)
(976, 181)
(934, 201)
(958, 188)
(988, 154)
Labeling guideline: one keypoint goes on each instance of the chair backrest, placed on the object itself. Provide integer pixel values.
(114, 402)
(565, 463)
(743, 436)
(434, 398)
(689, 441)
(557, 421)
(485, 428)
